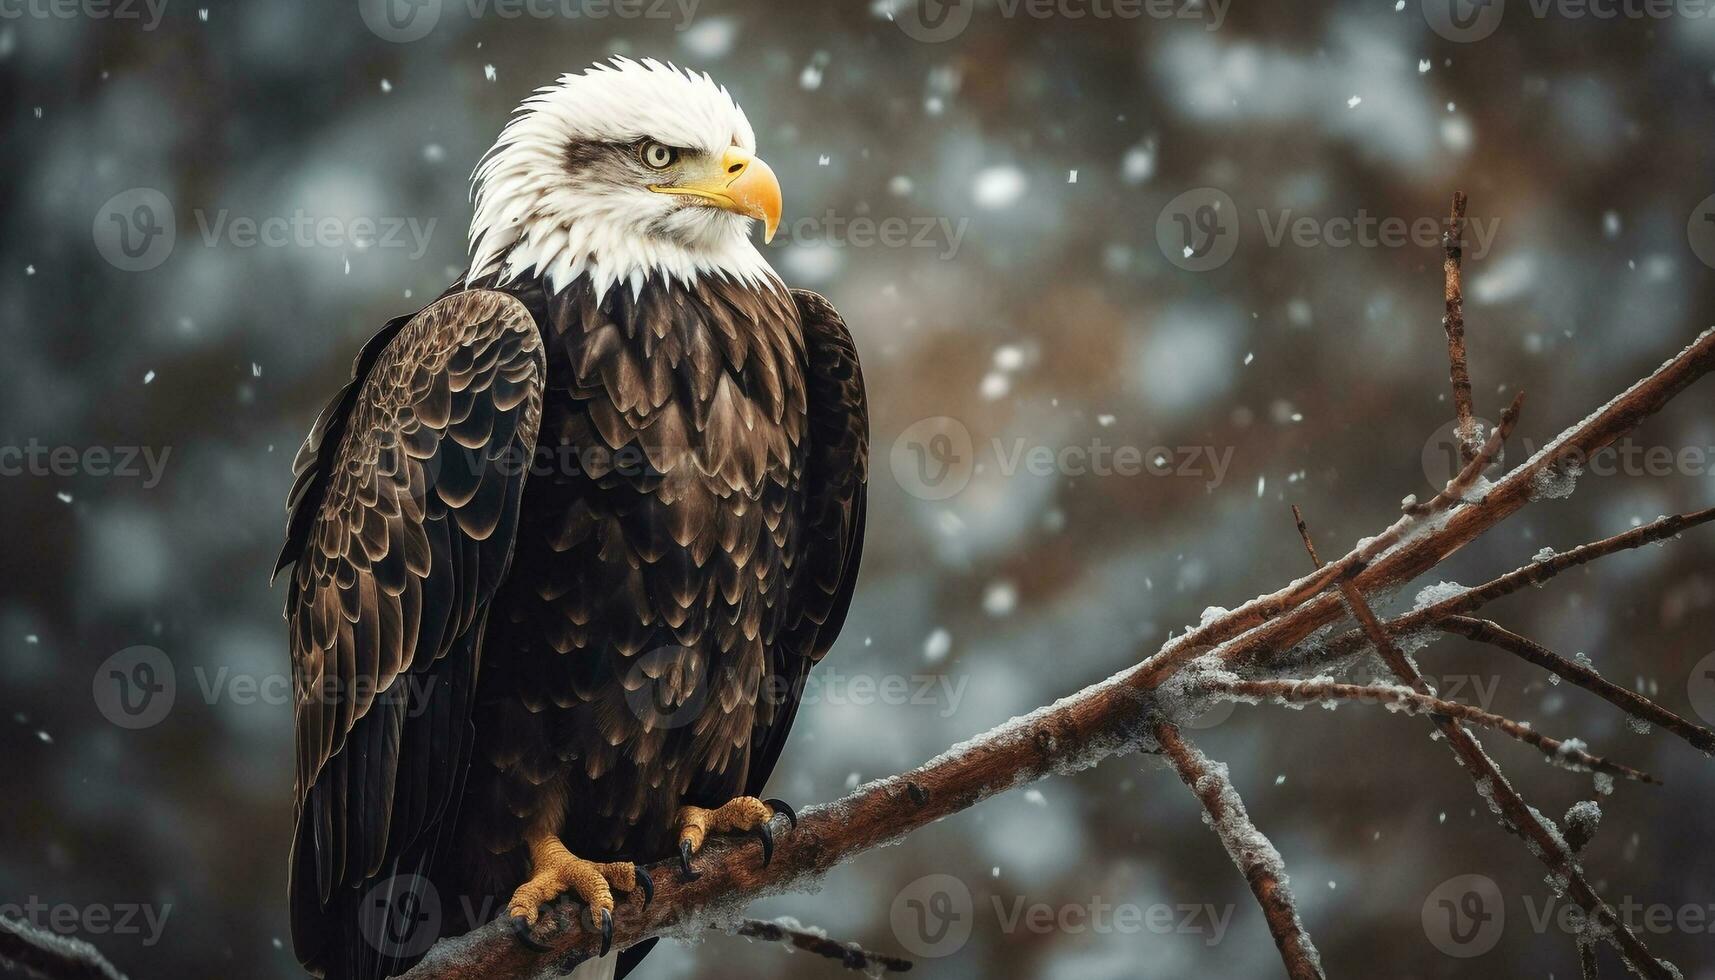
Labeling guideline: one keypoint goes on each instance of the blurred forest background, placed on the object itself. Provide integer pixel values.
(1041, 300)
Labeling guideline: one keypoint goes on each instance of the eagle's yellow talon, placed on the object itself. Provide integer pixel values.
(554, 871)
(741, 815)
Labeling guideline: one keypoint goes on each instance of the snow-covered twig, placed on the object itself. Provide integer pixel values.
(1634, 704)
(850, 955)
(1480, 460)
(1516, 815)
(1317, 690)
(1256, 858)
(50, 956)
(1453, 251)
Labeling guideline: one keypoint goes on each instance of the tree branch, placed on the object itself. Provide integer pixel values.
(1453, 251)
(1249, 849)
(1323, 689)
(51, 956)
(851, 955)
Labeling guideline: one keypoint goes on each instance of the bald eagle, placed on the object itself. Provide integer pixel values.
(569, 542)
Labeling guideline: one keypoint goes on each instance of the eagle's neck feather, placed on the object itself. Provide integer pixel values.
(525, 228)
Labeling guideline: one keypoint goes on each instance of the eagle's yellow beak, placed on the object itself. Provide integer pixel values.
(742, 184)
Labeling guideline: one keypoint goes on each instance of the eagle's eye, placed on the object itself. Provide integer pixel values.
(657, 156)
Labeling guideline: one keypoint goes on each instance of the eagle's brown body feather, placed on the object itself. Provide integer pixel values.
(612, 622)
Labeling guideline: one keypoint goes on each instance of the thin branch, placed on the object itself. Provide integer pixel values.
(1453, 248)
(1517, 815)
(1249, 849)
(1587, 961)
(1480, 460)
(1536, 573)
(851, 955)
(1318, 690)
(1632, 703)
(50, 956)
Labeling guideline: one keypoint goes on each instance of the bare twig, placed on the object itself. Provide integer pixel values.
(1480, 460)
(1535, 573)
(50, 956)
(1516, 815)
(850, 955)
(1587, 961)
(1249, 849)
(1453, 249)
(1634, 704)
(1317, 690)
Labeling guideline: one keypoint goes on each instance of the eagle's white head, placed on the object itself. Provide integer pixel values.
(627, 170)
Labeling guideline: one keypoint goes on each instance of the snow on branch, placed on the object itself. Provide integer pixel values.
(1255, 856)
(39, 953)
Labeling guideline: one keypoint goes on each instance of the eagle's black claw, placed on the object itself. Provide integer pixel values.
(646, 883)
(685, 862)
(525, 933)
(606, 931)
(767, 837)
(780, 806)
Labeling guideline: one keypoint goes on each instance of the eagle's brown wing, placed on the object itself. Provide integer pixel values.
(404, 513)
(836, 474)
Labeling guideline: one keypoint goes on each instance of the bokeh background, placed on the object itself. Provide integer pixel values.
(1041, 299)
